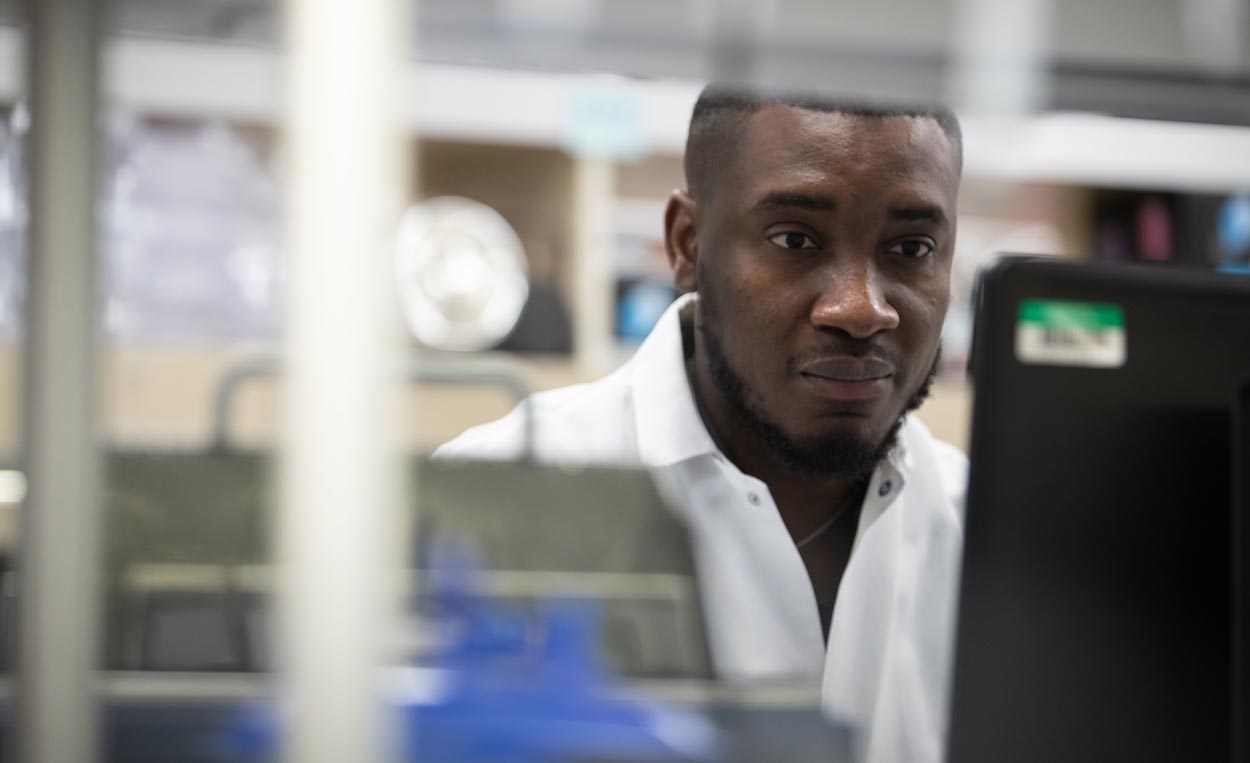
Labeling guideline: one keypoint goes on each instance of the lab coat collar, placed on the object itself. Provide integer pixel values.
(667, 421)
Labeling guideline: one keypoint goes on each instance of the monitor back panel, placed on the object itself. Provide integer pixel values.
(1096, 608)
(1241, 575)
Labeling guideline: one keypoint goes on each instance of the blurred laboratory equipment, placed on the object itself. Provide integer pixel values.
(191, 248)
(461, 273)
(506, 688)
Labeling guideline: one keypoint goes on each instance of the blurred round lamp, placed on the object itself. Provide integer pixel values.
(462, 274)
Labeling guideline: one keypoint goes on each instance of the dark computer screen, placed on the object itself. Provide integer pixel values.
(1098, 599)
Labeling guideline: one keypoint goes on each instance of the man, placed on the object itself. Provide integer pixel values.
(814, 246)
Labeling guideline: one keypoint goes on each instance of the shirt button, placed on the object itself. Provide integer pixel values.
(753, 498)
(885, 488)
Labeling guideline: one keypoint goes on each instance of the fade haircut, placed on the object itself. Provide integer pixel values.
(720, 113)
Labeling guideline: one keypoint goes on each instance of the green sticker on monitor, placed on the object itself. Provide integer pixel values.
(1065, 333)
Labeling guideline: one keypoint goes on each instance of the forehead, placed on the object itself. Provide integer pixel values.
(862, 156)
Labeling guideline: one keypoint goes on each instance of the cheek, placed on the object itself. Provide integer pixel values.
(931, 294)
(923, 310)
(753, 295)
(936, 306)
(752, 320)
(760, 313)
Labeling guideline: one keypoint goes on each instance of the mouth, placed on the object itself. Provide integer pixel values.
(849, 379)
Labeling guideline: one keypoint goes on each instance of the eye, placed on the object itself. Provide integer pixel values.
(792, 240)
(912, 248)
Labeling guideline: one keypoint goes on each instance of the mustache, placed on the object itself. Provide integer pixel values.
(840, 348)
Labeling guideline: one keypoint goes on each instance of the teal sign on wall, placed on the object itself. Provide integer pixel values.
(605, 122)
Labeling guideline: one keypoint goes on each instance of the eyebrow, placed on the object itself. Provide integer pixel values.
(925, 212)
(919, 213)
(799, 200)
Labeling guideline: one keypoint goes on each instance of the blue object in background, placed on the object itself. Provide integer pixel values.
(516, 696)
(640, 306)
(1233, 227)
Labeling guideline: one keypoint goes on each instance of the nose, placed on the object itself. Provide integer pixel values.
(852, 299)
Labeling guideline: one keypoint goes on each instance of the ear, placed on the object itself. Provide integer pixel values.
(680, 242)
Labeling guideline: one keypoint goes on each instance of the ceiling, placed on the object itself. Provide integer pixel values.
(1182, 60)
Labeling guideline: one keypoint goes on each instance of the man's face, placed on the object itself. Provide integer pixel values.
(823, 256)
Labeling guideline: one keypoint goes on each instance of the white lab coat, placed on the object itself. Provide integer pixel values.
(887, 666)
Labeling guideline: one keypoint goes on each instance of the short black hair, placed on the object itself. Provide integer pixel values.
(719, 116)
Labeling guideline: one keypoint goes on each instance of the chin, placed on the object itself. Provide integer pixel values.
(845, 430)
(871, 429)
(848, 451)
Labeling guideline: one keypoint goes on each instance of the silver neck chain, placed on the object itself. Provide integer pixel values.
(831, 521)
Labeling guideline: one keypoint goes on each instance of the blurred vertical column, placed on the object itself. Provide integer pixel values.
(594, 193)
(1000, 55)
(338, 481)
(999, 73)
(603, 125)
(59, 555)
(1217, 34)
(734, 27)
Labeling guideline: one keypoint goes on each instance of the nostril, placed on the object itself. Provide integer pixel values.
(859, 315)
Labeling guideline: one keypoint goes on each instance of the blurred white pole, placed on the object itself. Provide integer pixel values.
(734, 30)
(1216, 35)
(1000, 51)
(338, 496)
(594, 192)
(59, 557)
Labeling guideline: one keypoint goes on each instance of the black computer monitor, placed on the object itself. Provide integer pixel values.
(1099, 594)
(1241, 575)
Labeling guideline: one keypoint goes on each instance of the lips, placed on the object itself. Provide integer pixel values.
(849, 378)
(849, 369)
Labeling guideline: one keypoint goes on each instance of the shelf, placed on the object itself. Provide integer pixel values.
(213, 81)
(1102, 151)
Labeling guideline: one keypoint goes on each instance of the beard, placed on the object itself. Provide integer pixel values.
(841, 455)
